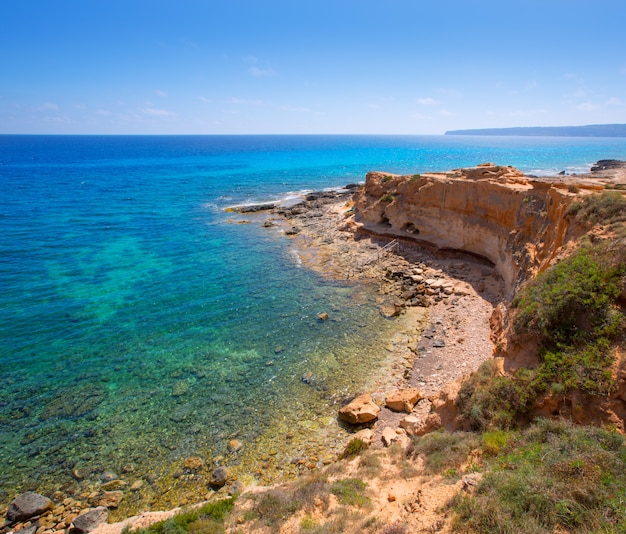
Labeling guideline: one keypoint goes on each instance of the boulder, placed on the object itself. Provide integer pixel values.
(219, 477)
(89, 521)
(360, 410)
(403, 400)
(28, 505)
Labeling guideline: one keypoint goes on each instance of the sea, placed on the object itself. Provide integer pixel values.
(140, 325)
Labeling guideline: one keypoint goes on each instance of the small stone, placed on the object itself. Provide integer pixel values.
(410, 424)
(136, 486)
(234, 445)
(107, 476)
(28, 505)
(219, 477)
(114, 485)
(236, 488)
(322, 316)
(391, 498)
(439, 343)
(366, 436)
(389, 436)
(307, 377)
(193, 463)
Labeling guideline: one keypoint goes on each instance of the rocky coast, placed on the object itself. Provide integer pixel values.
(445, 252)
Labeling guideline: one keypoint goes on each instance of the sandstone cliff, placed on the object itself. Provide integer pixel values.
(516, 222)
(522, 225)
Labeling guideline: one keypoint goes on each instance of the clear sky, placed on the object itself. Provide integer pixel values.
(300, 66)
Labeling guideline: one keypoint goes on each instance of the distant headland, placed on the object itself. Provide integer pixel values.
(591, 130)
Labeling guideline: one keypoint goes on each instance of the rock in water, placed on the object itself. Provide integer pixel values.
(360, 410)
(219, 477)
(234, 445)
(193, 463)
(28, 505)
(89, 520)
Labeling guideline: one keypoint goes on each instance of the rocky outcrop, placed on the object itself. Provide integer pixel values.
(516, 222)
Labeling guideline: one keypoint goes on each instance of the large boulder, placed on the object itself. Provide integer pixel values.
(28, 505)
(403, 400)
(360, 410)
(89, 521)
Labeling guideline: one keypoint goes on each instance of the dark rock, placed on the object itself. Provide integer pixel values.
(30, 530)
(28, 505)
(294, 230)
(439, 343)
(89, 520)
(605, 164)
(219, 477)
(253, 208)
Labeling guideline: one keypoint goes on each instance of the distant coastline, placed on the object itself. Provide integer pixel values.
(592, 130)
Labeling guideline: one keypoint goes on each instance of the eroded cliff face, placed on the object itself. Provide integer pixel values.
(516, 222)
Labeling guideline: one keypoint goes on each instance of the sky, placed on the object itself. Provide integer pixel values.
(308, 67)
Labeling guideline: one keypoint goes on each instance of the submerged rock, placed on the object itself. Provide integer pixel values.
(234, 445)
(89, 521)
(28, 505)
(219, 477)
(193, 463)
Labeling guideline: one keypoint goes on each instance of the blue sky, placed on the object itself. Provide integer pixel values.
(299, 66)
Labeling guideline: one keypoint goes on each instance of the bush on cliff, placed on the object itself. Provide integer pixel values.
(604, 208)
(572, 309)
(552, 477)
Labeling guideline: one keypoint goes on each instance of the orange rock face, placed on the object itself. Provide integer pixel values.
(516, 222)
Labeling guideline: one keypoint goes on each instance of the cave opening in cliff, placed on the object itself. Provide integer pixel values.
(410, 228)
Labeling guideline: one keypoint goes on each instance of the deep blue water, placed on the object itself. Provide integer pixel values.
(139, 326)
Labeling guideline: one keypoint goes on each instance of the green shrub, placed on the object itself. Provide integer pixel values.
(606, 207)
(553, 476)
(354, 447)
(443, 451)
(388, 197)
(207, 519)
(493, 441)
(350, 491)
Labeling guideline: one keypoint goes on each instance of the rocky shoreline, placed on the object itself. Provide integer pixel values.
(441, 301)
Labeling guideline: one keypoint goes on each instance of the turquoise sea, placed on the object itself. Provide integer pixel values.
(139, 326)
